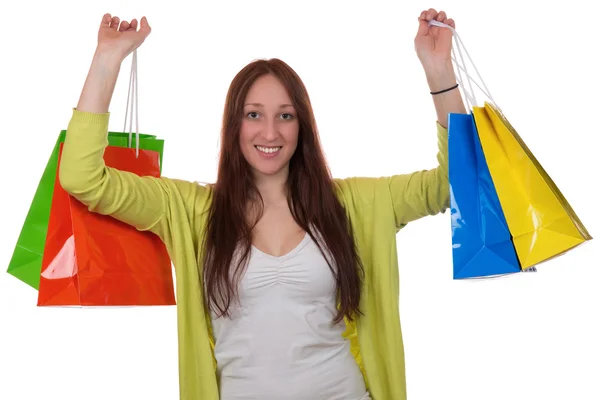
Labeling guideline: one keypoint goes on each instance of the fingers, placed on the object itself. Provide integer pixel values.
(114, 23)
(124, 26)
(450, 22)
(144, 26)
(423, 27)
(106, 18)
(432, 14)
(110, 22)
(145, 29)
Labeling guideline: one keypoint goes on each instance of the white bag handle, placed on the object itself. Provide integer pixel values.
(133, 85)
(459, 46)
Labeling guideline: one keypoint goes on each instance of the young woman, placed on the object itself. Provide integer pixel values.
(287, 279)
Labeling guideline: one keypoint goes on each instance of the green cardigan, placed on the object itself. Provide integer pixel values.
(174, 210)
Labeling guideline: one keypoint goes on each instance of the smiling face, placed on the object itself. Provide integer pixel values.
(269, 130)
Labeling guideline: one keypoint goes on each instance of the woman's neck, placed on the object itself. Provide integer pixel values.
(272, 188)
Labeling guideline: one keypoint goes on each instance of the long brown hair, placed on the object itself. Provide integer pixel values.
(311, 198)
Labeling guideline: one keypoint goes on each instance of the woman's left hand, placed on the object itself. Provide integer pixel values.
(432, 43)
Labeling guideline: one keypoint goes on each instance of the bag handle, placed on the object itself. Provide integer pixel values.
(133, 86)
(458, 45)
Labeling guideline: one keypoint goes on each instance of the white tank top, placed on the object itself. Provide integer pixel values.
(280, 342)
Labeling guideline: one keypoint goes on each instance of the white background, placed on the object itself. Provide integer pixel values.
(532, 336)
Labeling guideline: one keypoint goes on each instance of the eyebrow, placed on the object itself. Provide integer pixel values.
(262, 105)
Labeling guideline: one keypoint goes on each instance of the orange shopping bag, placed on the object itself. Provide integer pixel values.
(95, 260)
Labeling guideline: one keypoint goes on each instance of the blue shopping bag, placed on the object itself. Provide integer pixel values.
(481, 241)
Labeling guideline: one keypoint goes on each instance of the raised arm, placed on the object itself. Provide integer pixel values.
(421, 193)
(427, 192)
(142, 202)
(433, 45)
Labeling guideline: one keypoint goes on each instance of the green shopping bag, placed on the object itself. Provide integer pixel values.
(26, 261)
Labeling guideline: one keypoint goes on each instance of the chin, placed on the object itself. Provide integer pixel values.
(269, 170)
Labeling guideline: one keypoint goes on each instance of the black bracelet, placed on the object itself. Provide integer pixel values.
(445, 90)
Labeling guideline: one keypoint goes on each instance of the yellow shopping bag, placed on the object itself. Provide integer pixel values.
(540, 219)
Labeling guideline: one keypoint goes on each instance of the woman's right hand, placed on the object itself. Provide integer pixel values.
(119, 41)
(115, 43)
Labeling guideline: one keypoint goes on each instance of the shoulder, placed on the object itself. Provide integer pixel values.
(192, 196)
(362, 191)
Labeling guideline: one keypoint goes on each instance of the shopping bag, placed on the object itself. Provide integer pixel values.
(481, 241)
(26, 261)
(542, 222)
(95, 260)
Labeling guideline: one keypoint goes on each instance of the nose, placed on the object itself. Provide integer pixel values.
(270, 131)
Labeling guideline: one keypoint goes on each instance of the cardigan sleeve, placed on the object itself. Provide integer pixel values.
(421, 193)
(140, 201)
(408, 197)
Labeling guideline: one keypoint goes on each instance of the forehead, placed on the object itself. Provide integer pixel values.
(268, 90)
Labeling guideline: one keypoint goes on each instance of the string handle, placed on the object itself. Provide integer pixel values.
(461, 67)
(133, 87)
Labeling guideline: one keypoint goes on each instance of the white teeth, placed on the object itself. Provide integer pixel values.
(268, 150)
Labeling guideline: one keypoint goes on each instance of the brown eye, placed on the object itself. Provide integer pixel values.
(287, 116)
(252, 115)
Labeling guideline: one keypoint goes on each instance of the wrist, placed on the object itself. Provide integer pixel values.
(440, 77)
(107, 59)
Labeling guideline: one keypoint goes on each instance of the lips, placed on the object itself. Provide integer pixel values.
(268, 150)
